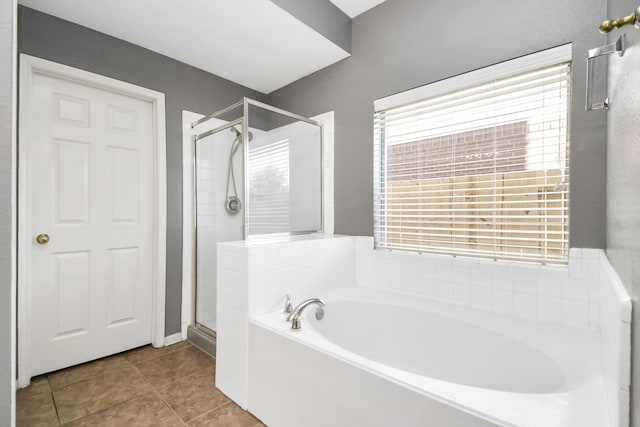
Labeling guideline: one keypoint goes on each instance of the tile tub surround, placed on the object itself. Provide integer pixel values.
(569, 295)
(615, 337)
(255, 277)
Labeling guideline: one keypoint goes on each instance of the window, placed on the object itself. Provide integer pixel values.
(478, 164)
(269, 187)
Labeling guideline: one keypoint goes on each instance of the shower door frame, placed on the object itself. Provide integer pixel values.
(194, 291)
(190, 299)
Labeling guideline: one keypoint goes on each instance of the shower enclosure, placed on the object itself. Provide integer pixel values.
(257, 175)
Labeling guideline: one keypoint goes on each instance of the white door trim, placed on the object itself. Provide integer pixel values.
(29, 66)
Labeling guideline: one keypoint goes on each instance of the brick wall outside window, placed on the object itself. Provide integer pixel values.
(477, 150)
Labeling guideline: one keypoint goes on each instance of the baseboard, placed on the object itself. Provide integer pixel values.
(173, 339)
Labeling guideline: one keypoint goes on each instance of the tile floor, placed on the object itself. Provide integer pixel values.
(169, 386)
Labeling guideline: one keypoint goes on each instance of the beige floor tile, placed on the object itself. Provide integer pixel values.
(38, 384)
(194, 394)
(175, 365)
(35, 410)
(114, 392)
(230, 415)
(104, 391)
(146, 353)
(86, 371)
(144, 411)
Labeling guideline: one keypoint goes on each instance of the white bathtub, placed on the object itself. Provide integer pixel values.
(382, 359)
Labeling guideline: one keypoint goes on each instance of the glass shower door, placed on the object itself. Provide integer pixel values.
(219, 213)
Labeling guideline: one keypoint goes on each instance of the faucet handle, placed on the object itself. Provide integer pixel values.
(288, 307)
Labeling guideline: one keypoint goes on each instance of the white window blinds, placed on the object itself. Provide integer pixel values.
(482, 171)
(269, 197)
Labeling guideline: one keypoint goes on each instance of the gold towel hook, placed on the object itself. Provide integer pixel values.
(610, 24)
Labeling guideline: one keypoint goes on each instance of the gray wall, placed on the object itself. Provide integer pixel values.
(623, 177)
(323, 16)
(185, 88)
(402, 44)
(7, 26)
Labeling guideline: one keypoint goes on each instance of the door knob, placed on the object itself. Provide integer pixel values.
(42, 238)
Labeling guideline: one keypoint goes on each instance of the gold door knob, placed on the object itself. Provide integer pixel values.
(42, 238)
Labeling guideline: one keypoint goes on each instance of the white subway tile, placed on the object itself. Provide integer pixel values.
(298, 257)
(481, 277)
(428, 268)
(526, 283)
(256, 304)
(257, 263)
(550, 286)
(444, 272)
(575, 310)
(594, 290)
(481, 297)
(575, 263)
(444, 289)
(231, 297)
(502, 301)
(462, 274)
(429, 287)
(502, 280)
(623, 399)
(623, 342)
(575, 324)
(525, 305)
(594, 315)
(549, 309)
(273, 259)
(286, 258)
(575, 289)
(560, 271)
(413, 285)
(462, 293)
(413, 267)
(364, 245)
(593, 273)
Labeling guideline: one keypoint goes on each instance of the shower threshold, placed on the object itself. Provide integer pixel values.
(203, 338)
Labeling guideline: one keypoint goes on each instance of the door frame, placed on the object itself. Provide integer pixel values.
(30, 66)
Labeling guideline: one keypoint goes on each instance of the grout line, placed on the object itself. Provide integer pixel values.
(158, 394)
(55, 405)
(229, 403)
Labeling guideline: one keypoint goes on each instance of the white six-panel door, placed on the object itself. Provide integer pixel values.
(90, 191)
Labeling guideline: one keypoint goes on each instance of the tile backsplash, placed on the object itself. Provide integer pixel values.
(560, 294)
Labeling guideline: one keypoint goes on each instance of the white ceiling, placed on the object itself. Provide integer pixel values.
(251, 42)
(354, 8)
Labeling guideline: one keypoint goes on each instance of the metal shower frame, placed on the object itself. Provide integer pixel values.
(244, 122)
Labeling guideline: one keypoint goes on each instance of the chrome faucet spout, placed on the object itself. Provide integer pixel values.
(294, 317)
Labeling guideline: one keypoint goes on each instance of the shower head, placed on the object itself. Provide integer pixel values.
(239, 134)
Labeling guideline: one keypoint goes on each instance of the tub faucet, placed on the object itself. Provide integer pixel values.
(288, 308)
(294, 317)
